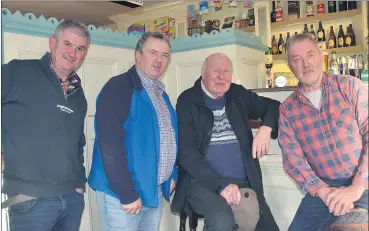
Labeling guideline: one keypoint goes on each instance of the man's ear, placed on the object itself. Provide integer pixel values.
(138, 56)
(52, 41)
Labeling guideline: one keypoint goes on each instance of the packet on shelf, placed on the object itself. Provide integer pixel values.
(161, 25)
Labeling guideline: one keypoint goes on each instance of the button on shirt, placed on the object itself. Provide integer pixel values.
(168, 146)
(328, 143)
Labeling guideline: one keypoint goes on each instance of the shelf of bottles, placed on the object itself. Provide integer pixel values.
(339, 50)
(335, 40)
(343, 42)
(342, 9)
(316, 18)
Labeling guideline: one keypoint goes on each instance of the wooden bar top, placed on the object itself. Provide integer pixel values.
(275, 89)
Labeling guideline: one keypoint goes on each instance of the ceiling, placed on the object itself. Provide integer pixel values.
(90, 12)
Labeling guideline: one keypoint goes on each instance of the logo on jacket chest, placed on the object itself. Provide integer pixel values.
(65, 109)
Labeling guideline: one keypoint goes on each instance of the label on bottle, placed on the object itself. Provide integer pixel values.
(313, 36)
(275, 50)
(330, 43)
(320, 34)
(340, 41)
(331, 3)
(279, 15)
(348, 41)
(268, 59)
(281, 48)
(320, 8)
(309, 10)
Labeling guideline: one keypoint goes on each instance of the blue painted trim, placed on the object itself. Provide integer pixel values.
(29, 24)
(217, 39)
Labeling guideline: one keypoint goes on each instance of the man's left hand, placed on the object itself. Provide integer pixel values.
(261, 143)
(341, 200)
(172, 185)
(80, 191)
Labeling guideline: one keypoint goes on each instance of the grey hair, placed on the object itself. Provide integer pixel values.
(205, 64)
(79, 28)
(142, 41)
(299, 38)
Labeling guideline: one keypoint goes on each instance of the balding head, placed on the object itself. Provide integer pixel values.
(217, 74)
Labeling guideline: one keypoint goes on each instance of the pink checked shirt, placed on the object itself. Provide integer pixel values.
(328, 143)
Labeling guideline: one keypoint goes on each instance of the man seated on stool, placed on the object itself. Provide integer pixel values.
(217, 152)
(323, 134)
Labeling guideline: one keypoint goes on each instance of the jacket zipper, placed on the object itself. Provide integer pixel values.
(210, 132)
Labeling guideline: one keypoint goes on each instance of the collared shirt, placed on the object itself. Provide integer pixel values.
(73, 79)
(328, 143)
(168, 146)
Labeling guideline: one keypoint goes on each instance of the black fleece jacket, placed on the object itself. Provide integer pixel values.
(42, 131)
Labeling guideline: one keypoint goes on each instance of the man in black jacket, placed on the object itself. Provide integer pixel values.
(43, 112)
(217, 152)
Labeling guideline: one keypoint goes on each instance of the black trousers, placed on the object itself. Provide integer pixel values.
(218, 214)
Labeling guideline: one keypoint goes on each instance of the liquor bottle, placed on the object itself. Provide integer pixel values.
(293, 10)
(332, 39)
(274, 46)
(312, 31)
(343, 66)
(349, 40)
(269, 65)
(351, 5)
(295, 33)
(334, 68)
(273, 13)
(321, 33)
(269, 58)
(281, 45)
(342, 5)
(305, 29)
(309, 8)
(279, 12)
(320, 8)
(341, 38)
(332, 6)
(288, 36)
(353, 35)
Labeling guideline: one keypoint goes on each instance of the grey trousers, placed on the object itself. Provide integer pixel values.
(217, 213)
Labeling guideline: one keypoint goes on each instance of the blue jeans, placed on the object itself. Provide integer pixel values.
(313, 214)
(114, 218)
(48, 214)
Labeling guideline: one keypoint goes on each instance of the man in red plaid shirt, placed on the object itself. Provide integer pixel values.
(323, 134)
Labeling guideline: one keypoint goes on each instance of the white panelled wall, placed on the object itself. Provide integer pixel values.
(104, 62)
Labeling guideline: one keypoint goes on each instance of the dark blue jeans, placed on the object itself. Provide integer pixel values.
(313, 214)
(61, 213)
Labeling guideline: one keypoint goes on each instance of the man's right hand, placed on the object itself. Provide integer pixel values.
(134, 207)
(231, 194)
(325, 195)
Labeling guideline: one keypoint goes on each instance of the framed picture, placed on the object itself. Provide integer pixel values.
(228, 22)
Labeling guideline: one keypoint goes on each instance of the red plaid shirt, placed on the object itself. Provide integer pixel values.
(328, 143)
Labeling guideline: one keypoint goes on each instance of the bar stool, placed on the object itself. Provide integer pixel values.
(192, 219)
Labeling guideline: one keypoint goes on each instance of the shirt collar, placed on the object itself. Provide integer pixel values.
(206, 91)
(73, 79)
(325, 83)
(148, 82)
